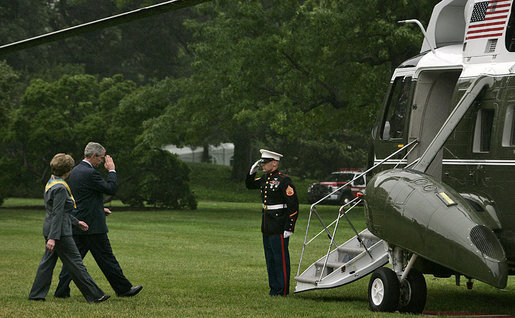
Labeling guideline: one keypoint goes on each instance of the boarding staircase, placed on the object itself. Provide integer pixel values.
(343, 264)
(350, 261)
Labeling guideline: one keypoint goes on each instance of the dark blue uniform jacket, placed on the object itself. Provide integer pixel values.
(276, 189)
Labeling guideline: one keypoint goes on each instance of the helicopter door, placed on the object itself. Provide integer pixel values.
(432, 104)
(391, 130)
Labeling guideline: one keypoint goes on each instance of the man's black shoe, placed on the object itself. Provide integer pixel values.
(101, 299)
(132, 292)
(37, 299)
(63, 296)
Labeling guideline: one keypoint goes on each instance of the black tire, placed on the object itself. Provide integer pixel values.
(413, 293)
(383, 290)
(346, 197)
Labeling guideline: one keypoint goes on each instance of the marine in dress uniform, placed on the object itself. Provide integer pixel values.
(279, 214)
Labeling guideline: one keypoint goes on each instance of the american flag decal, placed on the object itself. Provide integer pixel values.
(488, 19)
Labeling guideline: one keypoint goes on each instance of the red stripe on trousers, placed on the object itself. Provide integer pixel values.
(284, 266)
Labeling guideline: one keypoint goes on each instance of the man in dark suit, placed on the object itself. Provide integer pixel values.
(88, 188)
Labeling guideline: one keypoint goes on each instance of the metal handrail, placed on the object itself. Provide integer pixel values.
(325, 230)
(405, 157)
(413, 143)
(342, 209)
(367, 171)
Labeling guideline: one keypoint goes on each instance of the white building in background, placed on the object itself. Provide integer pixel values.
(220, 155)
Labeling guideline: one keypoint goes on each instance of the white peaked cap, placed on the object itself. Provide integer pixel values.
(267, 154)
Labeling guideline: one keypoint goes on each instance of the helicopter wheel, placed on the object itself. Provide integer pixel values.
(383, 290)
(413, 292)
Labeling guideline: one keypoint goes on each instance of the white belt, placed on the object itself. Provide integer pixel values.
(274, 206)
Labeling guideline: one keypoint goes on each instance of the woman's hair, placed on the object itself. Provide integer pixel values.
(61, 164)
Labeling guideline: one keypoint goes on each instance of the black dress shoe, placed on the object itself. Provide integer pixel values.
(61, 296)
(37, 299)
(101, 299)
(132, 292)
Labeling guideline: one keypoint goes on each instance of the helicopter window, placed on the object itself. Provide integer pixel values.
(510, 34)
(512, 143)
(508, 137)
(483, 130)
(396, 109)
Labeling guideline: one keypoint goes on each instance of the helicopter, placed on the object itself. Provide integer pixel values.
(440, 200)
(450, 209)
(442, 167)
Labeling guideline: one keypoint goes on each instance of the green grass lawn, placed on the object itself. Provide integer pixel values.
(203, 263)
(211, 182)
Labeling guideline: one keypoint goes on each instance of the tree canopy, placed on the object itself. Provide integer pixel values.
(304, 78)
(63, 116)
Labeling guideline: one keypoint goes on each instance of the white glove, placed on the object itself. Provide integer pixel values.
(287, 234)
(255, 167)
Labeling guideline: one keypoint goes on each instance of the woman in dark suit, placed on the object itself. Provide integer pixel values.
(57, 230)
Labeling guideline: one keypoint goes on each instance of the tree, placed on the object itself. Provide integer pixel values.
(63, 116)
(147, 173)
(8, 83)
(17, 25)
(168, 188)
(144, 50)
(301, 76)
(304, 78)
(44, 124)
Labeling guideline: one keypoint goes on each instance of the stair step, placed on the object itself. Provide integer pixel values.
(351, 250)
(345, 264)
(307, 280)
(369, 236)
(330, 264)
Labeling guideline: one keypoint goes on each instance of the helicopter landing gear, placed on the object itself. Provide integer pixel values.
(413, 292)
(383, 290)
(470, 283)
(402, 289)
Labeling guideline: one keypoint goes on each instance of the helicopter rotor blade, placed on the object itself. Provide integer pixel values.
(129, 16)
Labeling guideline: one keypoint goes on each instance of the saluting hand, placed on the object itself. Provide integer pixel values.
(109, 163)
(255, 167)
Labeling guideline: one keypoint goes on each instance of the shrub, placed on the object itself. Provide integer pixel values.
(156, 177)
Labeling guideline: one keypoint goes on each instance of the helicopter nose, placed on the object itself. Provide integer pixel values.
(421, 214)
